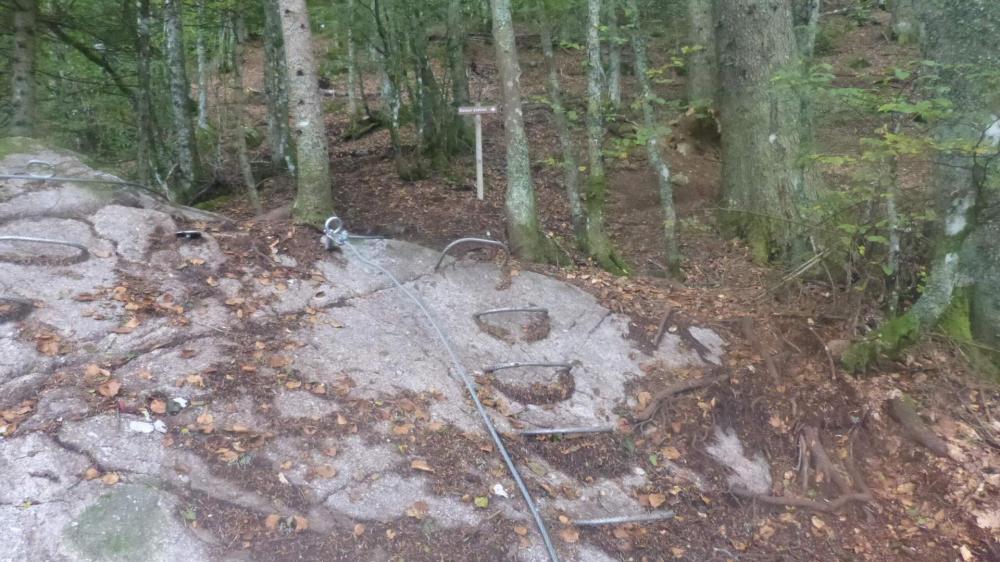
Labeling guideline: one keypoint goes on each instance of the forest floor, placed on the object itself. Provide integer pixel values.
(292, 445)
(782, 336)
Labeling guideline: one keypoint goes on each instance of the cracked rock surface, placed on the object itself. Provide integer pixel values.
(167, 399)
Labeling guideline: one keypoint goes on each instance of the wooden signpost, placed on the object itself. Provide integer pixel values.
(477, 111)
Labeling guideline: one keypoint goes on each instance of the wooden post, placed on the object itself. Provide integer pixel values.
(479, 157)
(477, 112)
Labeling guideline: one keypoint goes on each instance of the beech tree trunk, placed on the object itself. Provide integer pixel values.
(187, 173)
(614, 56)
(905, 24)
(276, 89)
(656, 160)
(702, 63)
(352, 64)
(763, 188)
(598, 244)
(314, 196)
(961, 296)
(202, 68)
(523, 231)
(146, 145)
(456, 54)
(22, 69)
(571, 164)
(806, 18)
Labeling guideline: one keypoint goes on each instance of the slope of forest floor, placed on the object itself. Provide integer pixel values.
(783, 339)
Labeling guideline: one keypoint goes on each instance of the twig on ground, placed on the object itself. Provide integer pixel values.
(826, 349)
(663, 327)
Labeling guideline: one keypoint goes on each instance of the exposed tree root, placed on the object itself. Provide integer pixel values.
(668, 393)
(903, 410)
(824, 465)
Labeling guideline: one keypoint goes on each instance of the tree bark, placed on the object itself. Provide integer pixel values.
(187, 172)
(146, 146)
(456, 54)
(352, 64)
(239, 126)
(656, 161)
(276, 89)
(703, 67)
(614, 56)
(202, 68)
(523, 231)
(22, 70)
(314, 196)
(763, 187)
(962, 294)
(905, 24)
(598, 244)
(571, 164)
(806, 17)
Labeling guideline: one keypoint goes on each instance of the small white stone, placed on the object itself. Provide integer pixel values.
(773, 138)
(141, 427)
(499, 491)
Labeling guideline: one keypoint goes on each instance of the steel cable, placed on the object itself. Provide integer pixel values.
(469, 386)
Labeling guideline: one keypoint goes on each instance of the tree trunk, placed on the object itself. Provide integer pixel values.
(702, 63)
(276, 89)
(523, 231)
(962, 293)
(22, 69)
(614, 56)
(571, 164)
(806, 17)
(762, 185)
(905, 22)
(202, 68)
(187, 172)
(314, 197)
(239, 106)
(146, 141)
(656, 161)
(352, 65)
(456, 54)
(598, 244)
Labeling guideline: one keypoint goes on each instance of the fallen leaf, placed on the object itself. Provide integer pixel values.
(670, 453)
(522, 531)
(196, 261)
(331, 452)
(195, 380)
(301, 523)
(418, 510)
(227, 455)
(91, 473)
(569, 535)
(390, 534)
(271, 522)
(111, 478)
(656, 500)
(966, 553)
(359, 530)
(402, 429)
(109, 389)
(341, 420)
(818, 523)
(481, 502)
(677, 551)
(128, 327)
(325, 471)
(421, 464)
(157, 406)
(239, 428)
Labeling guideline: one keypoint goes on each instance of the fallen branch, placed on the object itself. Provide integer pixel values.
(667, 393)
(823, 462)
(903, 410)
